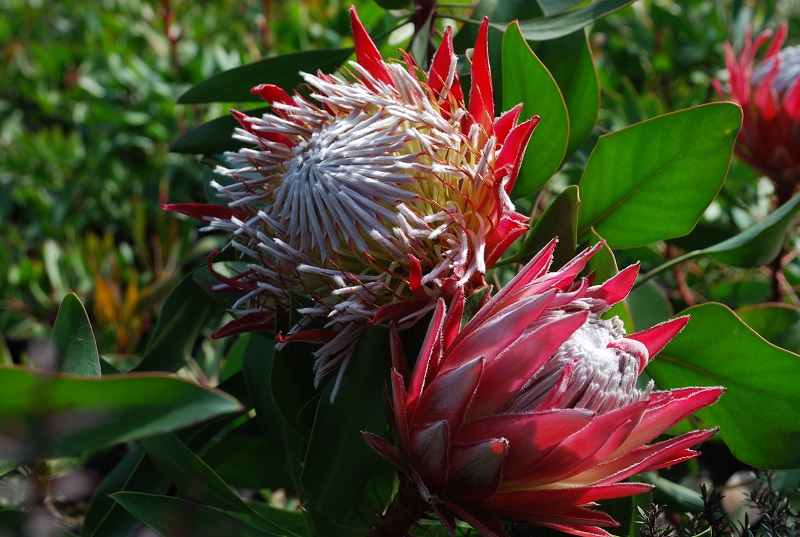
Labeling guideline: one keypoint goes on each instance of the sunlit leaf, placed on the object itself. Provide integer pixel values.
(72, 342)
(777, 323)
(757, 414)
(567, 22)
(653, 180)
(526, 80)
(47, 414)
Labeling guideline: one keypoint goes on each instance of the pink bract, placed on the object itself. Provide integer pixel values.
(769, 93)
(531, 412)
(373, 198)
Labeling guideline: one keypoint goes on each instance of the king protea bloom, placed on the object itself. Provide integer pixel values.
(373, 198)
(769, 93)
(531, 412)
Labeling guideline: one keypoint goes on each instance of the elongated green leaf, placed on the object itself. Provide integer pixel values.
(758, 244)
(47, 415)
(567, 22)
(526, 80)
(757, 415)
(649, 306)
(234, 85)
(560, 219)
(213, 137)
(190, 474)
(777, 323)
(185, 313)
(288, 444)
(569, 59)
(170, 517)
(338, 463)
(72, 341)
(653, 180)
(134, 473)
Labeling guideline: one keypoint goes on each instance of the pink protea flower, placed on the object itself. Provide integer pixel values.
(769, 94)
(377, 196)
(531, 412)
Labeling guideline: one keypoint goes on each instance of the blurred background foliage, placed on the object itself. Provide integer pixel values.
(87, 112)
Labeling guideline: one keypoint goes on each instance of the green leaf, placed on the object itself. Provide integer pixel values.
(652, 181)
(676, 497)
(48, 415)
(567, 22)
(757, 415)
(569, 59)
(649, 306)
(560, 219)
(526, 80)
(72, 342)
(190, 474)
(603, 263)
(777, 323)
(170, 517)
(212, 137)
(186, 311)
(288, 444)
(234, 85)
(135, 473)
(758, 244)
(338, 463)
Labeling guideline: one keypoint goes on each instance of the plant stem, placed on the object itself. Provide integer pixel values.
(403, 513)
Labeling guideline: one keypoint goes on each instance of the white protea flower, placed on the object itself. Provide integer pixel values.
(375, 197)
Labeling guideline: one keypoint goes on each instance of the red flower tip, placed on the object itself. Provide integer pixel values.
(367, 54)
(481, 96)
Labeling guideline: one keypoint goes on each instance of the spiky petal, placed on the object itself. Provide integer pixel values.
(531, 412)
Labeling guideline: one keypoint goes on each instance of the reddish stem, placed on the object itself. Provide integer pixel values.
(402, 515)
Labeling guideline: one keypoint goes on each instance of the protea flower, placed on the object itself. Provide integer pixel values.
(531, 412)
(769, 94)
(373, 198)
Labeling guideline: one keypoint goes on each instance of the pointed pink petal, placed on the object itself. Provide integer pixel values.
(448, 395)
(530, 435)
(442, 64)
(510, 227)
(430, 451)
(273, 94)
(657, 337)
(506, 122)
(307, 336)
(475, 469)
(452, 324)
(426, 358)
(505, 376)
(617, 287)
(565, 515)
(665, 409)
(562, 496)
(415, 278)
(514, 149)
(367, 54)
(385, 449)
(481, 519)
(399, 409)
(397, 311)
(256, 321)
(777, 43)
(481, 98)
(580, 531)
(399, 361)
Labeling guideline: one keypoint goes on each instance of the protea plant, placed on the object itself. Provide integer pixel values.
(373, 198)
(531, 412)
(769, 93)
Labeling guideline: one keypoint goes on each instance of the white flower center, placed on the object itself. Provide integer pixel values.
(788, 72)
(605, 367)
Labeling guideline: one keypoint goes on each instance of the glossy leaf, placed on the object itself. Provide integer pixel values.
(47, 415)
(653, 180)
(758, 244)
(526, 80)
(777, 323)
(339, 464)
(567, 22)
(212, 137)
(72, 342)
(560, 219)
(186, 311)
(757, 415)
(649, 306)
(569, 60)
(170, 516)
(234, 85)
